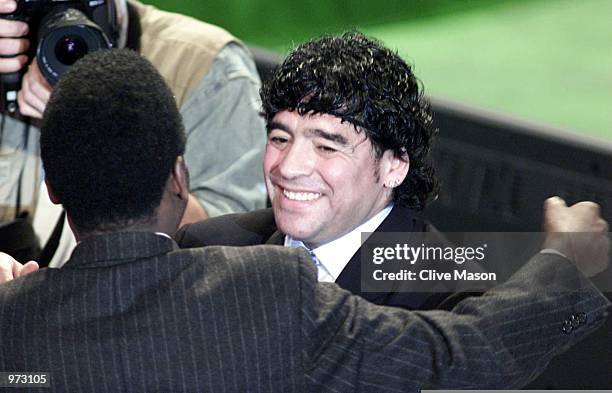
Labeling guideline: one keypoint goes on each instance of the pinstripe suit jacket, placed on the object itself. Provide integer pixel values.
(136, 314)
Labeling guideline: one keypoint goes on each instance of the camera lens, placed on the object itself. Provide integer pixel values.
(64, 36)
(70, 48)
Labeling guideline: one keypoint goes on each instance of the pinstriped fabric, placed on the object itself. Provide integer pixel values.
(88, 351)
(262, 311)
(487, 340)
(189, 335)
(130, 312)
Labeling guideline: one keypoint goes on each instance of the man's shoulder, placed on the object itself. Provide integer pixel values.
(175, 28)
(255, 254)
(237, 267)
(204, 267)
(180, 47)
(241, 229)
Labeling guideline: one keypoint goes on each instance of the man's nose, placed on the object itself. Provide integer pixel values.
(299, 160)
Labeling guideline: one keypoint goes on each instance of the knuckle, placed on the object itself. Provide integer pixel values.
(28, 97)
(34, 87)
(587, 206)
(20, 28)
(591, 205)
(21, 45)
(26, 110)
(24, 107)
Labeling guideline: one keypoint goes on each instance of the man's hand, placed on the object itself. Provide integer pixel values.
(11, 269)
(12, 43)
(578, 232)
(35, 90)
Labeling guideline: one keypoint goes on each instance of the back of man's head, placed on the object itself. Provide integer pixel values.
(111, 135)
(359, 80)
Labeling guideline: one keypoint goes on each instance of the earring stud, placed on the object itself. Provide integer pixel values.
(393, 183)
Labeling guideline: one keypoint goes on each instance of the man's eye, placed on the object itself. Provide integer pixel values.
(278, 140)
(326, 149)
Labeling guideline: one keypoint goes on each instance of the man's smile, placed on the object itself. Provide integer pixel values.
(301, 195)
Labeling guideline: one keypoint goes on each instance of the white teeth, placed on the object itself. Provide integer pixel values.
(301, 196)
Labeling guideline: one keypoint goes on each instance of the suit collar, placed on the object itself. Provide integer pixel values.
(271, 235)
(118, 247)
(277, 238)
(402, 219)
(334, 255)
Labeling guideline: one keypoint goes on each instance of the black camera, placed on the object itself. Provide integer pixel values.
(61, 32)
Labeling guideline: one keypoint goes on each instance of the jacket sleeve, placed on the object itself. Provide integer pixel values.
(226, 136)
(502, 339)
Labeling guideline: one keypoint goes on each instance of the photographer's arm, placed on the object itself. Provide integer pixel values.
(226, 136)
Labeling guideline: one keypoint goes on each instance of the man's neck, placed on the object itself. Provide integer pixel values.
(370, 223)
(335, 254)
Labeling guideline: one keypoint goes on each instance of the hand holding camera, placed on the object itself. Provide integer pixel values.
(14, 44)
(40, 40)
(12, 40)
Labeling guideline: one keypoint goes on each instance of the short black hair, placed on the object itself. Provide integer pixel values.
(111, 134)
(358, 80)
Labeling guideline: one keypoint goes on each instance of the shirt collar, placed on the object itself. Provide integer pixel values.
(163, 234)
(334, 256)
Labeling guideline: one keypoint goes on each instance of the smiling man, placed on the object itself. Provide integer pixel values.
(324, 177)
(349, 137)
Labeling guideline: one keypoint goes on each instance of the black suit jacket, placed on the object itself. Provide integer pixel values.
(259, 227)
(129, 312)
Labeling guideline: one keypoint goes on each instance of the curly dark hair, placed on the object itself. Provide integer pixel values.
(111, 134)
(358, 80)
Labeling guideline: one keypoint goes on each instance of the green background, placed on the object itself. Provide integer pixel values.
(546, 61)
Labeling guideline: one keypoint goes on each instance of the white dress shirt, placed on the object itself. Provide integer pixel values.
(332, 257)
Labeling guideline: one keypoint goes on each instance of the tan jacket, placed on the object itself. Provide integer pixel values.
(165, 33)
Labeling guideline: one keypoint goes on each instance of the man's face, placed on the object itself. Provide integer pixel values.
(322, 176)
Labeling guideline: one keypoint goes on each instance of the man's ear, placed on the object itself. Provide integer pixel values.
(52, 195)
(394, 168)
(180, 179)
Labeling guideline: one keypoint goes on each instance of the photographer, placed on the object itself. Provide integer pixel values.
(215, 84)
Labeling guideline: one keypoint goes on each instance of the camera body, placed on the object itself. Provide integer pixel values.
(61, 32)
